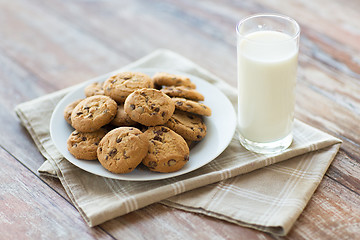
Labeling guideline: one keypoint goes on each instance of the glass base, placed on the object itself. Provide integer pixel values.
(267, 148)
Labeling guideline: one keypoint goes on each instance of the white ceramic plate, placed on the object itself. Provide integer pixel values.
(220, 130)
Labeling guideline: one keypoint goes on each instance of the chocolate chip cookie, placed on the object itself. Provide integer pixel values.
(119, 86)
(167, 79)
(122, 149)
(188, 125)
(168, 151)
(183, 92)
(93, 112)
(68, 110)
(191, 106)
(122, 119)
(94, 89)
(84, 145)
(149, 107)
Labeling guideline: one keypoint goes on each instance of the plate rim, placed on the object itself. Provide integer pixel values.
(156, 176)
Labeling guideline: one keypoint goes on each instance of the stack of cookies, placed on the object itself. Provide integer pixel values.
(132, 118)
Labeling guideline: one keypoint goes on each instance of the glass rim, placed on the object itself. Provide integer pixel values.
(279, 16)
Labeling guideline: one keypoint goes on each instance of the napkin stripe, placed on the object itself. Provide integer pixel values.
(224, 173)
(178, 187)
(289, 187)
(266, 216)
(129, 202)
(229, 188)
(298, 173)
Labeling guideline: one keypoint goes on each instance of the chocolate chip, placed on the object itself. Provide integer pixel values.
(113, 81)
(79, 113)
(171, 162)
(152, 164)
(132, 106)
(74, 145)
(125, 156)
(118, 140)
(143, 94)
(163, 114)
(96, 143)
(106, 157)
(198, 137)
(86, 107)
(159, 132)
(112, 152)
(157, 109)
(100, 149)
(158, 138)
(201, 129)
(179, 103)
(203, 106)
(164, 129)
(186, 158)
(83, 138)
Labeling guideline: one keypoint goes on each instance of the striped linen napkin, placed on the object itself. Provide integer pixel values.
(258, 191)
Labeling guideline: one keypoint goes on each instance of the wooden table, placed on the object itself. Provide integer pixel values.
(49, 45)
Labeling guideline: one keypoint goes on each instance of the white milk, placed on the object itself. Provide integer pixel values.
(267, 63)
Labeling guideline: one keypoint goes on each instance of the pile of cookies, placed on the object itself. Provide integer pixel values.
(132, 118)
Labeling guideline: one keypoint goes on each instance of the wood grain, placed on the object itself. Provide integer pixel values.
(332, 213)
(48, 45)
(25, 202)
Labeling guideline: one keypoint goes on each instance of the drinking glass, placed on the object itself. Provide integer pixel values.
(267, 56)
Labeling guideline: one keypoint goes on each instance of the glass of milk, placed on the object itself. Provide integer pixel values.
(267, 55)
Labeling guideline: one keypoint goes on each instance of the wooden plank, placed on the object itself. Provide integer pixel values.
(52, 49)
(332, 18)
(345, 171)
(31, 210)
(332, 213)
(147, 32)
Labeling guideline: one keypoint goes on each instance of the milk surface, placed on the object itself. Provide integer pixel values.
(267, 63)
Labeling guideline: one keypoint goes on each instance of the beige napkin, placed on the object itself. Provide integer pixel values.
(268, 199)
